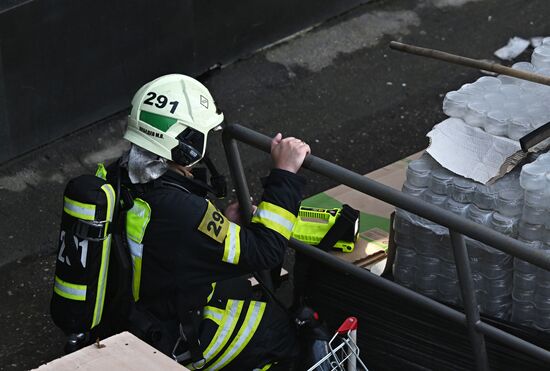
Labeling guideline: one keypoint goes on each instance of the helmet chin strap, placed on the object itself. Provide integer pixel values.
(218, 184)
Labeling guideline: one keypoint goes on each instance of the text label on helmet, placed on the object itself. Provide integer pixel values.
(151, 133)
(161, 101)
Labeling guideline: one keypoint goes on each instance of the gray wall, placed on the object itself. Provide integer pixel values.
(65, 64)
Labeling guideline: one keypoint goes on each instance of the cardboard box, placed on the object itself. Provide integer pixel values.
(123, 351)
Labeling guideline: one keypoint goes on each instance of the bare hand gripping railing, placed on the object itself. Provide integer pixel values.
(457, 225)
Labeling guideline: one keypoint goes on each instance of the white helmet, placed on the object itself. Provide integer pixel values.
(172, 116)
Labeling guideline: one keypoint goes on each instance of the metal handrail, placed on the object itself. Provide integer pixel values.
(457, 225)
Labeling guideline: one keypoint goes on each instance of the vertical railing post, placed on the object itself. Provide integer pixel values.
(243, 194)
(238, 176)
(471, 310)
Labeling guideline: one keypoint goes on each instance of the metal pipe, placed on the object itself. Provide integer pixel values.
(469, 62)
(514, 342)
(237, 174)
(373, 280)
(467, 289)
(243, 194)
(403, 201)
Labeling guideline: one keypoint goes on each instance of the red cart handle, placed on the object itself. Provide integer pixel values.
(350, 324)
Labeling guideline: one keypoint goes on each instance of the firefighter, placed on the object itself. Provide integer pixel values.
(189, 259)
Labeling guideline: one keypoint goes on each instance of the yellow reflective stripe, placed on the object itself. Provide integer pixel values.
(275, 218)
(223, 333)
(110, 194)
(102, 281)
(265, 368)
(101, 172)
(69, 290)
(136, 282)
(214, 314)
(137, 219)
(78, 209)
(250, 325)
(211, 292)
(136, 252)
(232, 245)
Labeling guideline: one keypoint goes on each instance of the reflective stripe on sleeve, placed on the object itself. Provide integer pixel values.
(225, 330)
(69, 290)
(232, 244)
(78, 209)
(250, 325)
(275, 218)
(214, 314)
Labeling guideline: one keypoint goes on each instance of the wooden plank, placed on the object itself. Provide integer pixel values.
(123, 351)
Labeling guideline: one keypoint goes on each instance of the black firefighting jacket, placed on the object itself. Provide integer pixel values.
(181, 243)
(188, 242)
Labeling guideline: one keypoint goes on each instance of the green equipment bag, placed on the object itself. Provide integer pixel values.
(83, 255)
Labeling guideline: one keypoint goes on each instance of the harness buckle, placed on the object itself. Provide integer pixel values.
(184, 355)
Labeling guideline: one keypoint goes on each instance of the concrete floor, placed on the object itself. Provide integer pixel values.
(339, 87)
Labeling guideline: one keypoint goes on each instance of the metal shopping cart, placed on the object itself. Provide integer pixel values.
(343, 352)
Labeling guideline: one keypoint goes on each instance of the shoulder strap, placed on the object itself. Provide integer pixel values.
(122, 300)
(174, 185)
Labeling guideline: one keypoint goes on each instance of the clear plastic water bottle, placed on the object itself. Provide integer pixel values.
(476, 114)
(463, 190)
(404, 266)
(418, 172)
(542, 312)
(497, 122)
(534, 214)
(405, 260)
(480, 216)
(427, 242)
(510, 202)
(533, 177)
(440, 181)
(448, 287)
(455, 104)
(412, 190)
(525, 284)
(542, 296)
(456, 207)
(434, 198)
(519, 126)
(522, 66)
(541, 56)
(523, 312)
(530, 232)
(485, 197)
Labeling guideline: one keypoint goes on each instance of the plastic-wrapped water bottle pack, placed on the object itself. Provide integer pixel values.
(503, 105)
(517, 205)
(531, 287)
(424, 257)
